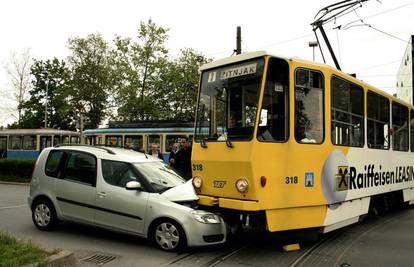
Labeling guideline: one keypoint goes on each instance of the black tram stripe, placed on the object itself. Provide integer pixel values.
(98, 208)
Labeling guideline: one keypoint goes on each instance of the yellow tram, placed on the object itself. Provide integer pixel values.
(284, 143)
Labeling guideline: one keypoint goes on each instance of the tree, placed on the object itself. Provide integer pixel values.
(56, 74)
(18, 70)
(178, 85)
(137, 68)
(91, 81)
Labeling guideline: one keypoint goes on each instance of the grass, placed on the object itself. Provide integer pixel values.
(14, 252)
(11, 178)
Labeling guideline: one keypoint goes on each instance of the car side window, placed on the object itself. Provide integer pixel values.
(81, 167)
(54, 161)
(118, 173)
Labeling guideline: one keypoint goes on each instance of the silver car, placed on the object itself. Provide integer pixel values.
(121, 190)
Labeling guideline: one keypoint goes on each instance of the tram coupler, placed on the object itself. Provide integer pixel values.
(245, 222)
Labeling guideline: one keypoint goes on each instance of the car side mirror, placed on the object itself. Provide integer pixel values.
(133, 185)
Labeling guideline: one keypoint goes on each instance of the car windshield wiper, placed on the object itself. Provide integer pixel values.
(169, 172)
(163, 189)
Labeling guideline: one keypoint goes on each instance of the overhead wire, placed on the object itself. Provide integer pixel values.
(388, 34)
(380, 65)
(383, 75)
(347, 26)
(387, 11)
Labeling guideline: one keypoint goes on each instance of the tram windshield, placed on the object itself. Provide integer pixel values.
(228, 101)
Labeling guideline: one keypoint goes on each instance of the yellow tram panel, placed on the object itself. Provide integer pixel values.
(250, 156)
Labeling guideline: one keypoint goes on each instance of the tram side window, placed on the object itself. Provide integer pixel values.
(400, 127)
(29, 142)
(65, 139)
(347, 113)
(170, 140)
(154, 139)
(309, 113)
(15, 142)
(273, 124)
(134, 142)
(378, 121)
(56, 140)
(113, 140)
(3, 146)
(74, 140)
(412, 129)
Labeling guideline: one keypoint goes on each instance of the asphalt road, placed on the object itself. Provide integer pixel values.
(386, 240)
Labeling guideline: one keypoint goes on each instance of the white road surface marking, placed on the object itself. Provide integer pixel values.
(12, 207)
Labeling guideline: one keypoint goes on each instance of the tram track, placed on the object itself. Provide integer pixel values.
(333, 249)
(337, 248)
(206, 258)
(220, 259)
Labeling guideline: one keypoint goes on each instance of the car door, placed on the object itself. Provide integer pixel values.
(76, 190)
(117, 207)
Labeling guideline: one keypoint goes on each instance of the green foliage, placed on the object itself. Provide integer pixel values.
(178, 85)
(60, 115)
(130, 80)
(16, 170)
(15, 253)
(148, 84)
(91, 77)
(137, 66)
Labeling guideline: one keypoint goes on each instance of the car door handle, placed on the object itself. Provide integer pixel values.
(102, 194)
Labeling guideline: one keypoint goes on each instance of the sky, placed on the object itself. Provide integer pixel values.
(373, 52)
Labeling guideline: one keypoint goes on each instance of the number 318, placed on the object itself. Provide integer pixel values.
(291, 180)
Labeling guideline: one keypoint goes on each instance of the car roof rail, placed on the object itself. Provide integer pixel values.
(98, 147)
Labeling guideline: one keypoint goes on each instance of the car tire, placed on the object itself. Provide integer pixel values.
(44, 215)
(168, 235)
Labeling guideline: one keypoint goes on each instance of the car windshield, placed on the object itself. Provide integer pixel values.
(228, 101)
(160, 175)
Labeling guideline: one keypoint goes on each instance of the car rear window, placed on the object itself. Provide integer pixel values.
(53, 163)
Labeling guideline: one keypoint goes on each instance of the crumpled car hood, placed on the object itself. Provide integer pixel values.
(181, 193)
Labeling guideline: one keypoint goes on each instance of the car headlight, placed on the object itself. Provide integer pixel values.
(197, 182)
(205, 217)
(242, 185)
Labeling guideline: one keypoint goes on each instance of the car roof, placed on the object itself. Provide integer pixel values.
(112, 153)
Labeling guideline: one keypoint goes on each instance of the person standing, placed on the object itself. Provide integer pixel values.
(175, 150)
(155, 151)
(183, 159)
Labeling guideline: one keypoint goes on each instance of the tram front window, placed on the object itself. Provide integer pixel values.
(228, 101)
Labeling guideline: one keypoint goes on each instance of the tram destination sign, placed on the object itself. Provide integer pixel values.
(238, 71)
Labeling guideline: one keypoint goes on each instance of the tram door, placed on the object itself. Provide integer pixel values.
(3, 147)
(45, 141)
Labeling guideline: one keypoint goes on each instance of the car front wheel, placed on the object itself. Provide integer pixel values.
(44, 215)
(168, 235)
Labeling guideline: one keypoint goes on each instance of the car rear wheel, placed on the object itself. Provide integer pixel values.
(168, 235)
(44, 215)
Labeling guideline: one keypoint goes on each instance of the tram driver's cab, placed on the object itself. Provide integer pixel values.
(229, 101)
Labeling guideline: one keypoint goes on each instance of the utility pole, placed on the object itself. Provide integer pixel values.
(313, 44)
(82, 137)
(238, 41)
(47, 92)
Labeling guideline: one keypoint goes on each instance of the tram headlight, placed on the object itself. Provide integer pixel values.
(197, 182)
(242, 185)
